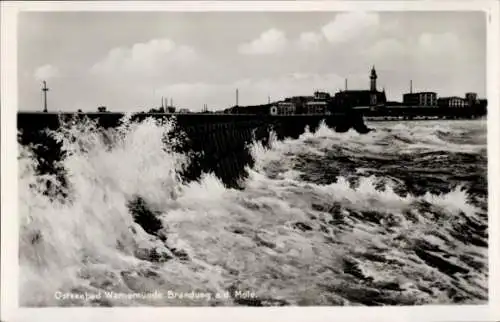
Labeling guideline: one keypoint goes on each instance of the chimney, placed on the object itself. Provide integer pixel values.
(346, 84)
(411, 86)
(237, 97)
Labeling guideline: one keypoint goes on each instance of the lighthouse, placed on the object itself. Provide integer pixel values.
(373, 80)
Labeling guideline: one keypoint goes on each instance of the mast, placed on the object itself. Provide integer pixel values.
(44, 92)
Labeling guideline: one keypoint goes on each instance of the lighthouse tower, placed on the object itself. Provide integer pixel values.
(373, 80)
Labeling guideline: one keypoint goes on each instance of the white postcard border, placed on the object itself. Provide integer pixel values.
(9, 197)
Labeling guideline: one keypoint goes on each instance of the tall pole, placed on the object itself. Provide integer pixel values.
(236, 97)
(45, 90)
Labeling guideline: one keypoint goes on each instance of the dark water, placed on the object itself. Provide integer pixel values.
(393, 217)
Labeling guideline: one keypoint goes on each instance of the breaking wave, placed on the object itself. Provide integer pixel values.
(394, 217)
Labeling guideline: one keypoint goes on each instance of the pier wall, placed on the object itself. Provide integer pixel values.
(217, 143)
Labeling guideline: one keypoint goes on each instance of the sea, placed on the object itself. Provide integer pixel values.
(397, 216)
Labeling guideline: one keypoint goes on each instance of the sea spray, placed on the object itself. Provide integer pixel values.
(321, 220)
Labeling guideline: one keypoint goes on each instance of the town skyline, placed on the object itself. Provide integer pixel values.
(269, 56)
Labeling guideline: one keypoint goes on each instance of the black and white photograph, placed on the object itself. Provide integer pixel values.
(253, 158)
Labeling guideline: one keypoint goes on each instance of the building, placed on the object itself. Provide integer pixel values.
(158, 110)
(315, 107)
(251, 109)
(300, 103)
(411, 99)
(471, 99)
(452, 101)
(321, 96)
(361, 98)
(420, 99)
(428, 99)
(286, 108)
(482, 105)
(355, 98)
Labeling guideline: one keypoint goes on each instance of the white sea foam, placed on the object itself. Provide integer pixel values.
(278, 237)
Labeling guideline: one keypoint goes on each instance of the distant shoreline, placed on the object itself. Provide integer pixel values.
(382, 118)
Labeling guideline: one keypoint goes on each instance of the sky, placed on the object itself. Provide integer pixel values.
(128, 61)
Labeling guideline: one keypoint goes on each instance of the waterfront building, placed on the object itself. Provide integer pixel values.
(471, 99)
(253, 109)
(411, 99)
(286, 108)
(482, 104)
(361, 98)
(452, 101)
(316, 104)
(300, 103)
(420, 99)
(321, 96)
(353, 98)
(316, 107)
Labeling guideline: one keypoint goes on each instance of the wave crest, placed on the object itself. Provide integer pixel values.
(288, 240)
